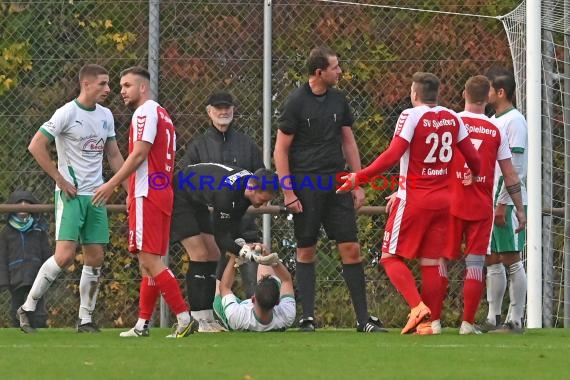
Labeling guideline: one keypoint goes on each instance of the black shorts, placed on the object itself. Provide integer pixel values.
(189, 219)
(334, 211)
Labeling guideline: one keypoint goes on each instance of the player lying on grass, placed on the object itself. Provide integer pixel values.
(271, 308)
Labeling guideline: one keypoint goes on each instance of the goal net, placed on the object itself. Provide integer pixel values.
(555, 84)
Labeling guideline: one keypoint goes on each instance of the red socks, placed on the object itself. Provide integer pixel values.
(166, 282)
(431, 285)
(149, 293)
(403, 280)
(473, 288)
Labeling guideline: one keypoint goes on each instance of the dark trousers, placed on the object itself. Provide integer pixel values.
(39, 317)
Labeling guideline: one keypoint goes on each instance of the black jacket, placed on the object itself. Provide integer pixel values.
(230, 148)
(22, 253)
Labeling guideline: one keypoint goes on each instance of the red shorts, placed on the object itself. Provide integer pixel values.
(413, 232)
(475, 233)
(149, 228)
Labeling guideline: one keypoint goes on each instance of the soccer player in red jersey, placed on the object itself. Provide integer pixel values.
(149, 167)
(472, 197)
(424, 142)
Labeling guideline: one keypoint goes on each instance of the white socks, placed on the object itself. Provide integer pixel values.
(142, 324)
(496, 287)
(88, 291)
(183, 318)
(517, 292)
(48, 272)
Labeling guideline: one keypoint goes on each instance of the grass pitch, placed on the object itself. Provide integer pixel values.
(327, 354)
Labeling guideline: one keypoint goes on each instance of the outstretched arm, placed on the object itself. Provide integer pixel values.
(228, 276)
(385, 160)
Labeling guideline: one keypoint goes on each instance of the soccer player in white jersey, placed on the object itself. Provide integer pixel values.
(506, 245)
(83, 131)
(424, 142)
(271, 308)
(149, 168)
(472, 198)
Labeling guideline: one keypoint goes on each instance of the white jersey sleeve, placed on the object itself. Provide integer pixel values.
(145, 119)
(406, 125)
(517, 134)
(504, 151)
(238, 317)
(59, 122)
(462, 133)
(110, 124)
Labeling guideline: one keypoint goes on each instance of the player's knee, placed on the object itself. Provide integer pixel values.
(349, 252)
(492, 259)
(429, 262)
(64, 259)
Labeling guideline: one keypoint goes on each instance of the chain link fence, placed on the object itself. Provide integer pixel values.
(211, 45)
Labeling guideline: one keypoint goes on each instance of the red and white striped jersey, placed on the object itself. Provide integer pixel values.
(475, 202)
(153, 177)
(433, 133)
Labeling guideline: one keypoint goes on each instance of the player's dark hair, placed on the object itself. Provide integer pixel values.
(91, 70)
(319, 59)
(267, 293)
(266, 180)
(477, 89)
(426, 86)
(501, 78)
(136, 70)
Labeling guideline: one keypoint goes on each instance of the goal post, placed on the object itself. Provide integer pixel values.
(534, 179)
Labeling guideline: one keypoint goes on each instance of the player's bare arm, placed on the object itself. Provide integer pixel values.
(138, 155)
(228, 277)
(391, 199)
(513, 187)
(286, 280)
(39, 148)
(281, 156)
(384, 161)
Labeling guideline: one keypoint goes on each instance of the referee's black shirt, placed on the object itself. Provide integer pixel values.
(316, 122)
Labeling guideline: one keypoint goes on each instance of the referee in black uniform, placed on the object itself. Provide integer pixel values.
(314, 143)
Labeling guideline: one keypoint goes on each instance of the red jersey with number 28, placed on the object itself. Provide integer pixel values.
(475, 202)
(433, 133)
(153, 178)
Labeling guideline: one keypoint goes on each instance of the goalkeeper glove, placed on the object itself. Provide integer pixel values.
(272, 259)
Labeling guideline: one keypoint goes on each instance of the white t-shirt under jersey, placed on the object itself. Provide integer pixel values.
(241, 315)
(513, 125)
(80, 136)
